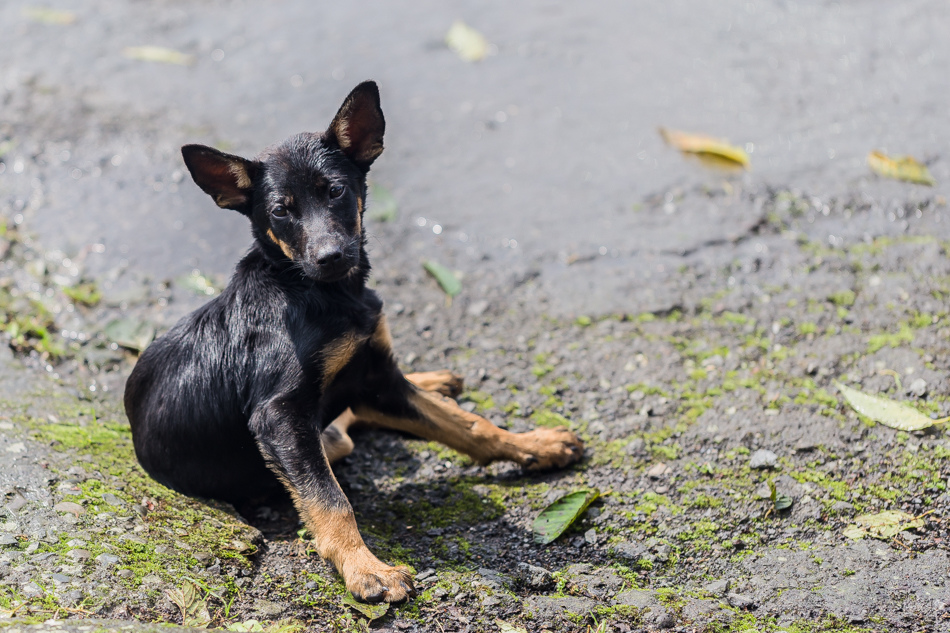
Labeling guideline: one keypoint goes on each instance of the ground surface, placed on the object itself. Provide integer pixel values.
(680, 320)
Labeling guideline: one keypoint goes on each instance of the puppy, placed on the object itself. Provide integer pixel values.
(258, 387)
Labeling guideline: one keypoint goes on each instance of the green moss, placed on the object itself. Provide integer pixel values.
(544, 417)
(85, 293)
(843, 298)
(878, 341)
(484, 401)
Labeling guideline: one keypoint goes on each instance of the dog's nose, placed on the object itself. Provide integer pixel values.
(329, 255)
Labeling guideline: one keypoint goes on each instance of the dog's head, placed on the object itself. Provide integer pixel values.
(305, 197)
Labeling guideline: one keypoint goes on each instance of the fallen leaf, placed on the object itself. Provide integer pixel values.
(560, 515)
(896, 415)
(383, 205)
(883, 525)
(130, 333)
(780, 501)
(466, 42)
(194, 610)
(247, 626)
(504, 627)
(198, 284)
(447, 279)
(158, 54)
(371, 611)
(904, 168)
(706, 146)
(47, 15)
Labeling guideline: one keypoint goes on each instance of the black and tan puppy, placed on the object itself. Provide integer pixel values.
(259, 386)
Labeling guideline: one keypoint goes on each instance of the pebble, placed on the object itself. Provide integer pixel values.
(79, 554)
(16, 447)
(70, 507)
(151, 579)
(763, 458)
(107, 560)
(535, 577)
(658, 470)
(740, 601)
(61, 578)
(718, 587)
(917, 388)
(591, 536)
(125, 573)
(112, 500)
(8, 539)
(478, 308)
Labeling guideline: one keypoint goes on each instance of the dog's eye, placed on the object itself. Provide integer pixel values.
(280, 211)
(336, 191)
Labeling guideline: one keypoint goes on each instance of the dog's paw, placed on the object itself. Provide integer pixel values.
(442, 381)
(380, 583)
(549, 448)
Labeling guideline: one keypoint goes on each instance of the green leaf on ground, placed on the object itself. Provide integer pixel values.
(194, 610)
(371, 611)
(883, 525)
(384, 206)
(466, 42)
(448, 280)
(780, 501)
(896, 415)
(904, 168)
(198, 283)
(249, 626)
(158, 54)
(560, 515)
(130, 333)
(504, 627)
(707, 146)
(86, 293)
(47, 15)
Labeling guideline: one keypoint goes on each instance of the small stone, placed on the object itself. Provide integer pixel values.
(740, 601)
(62, 578)
(478, 308)
(31, 590)
(842, 507)
(658, 470)
(632, 552)
(718, 587)
(425, 574)
(634, 446)
(590, 536)
(68, 506)
(125, 573)
(8, 539)
(763, 458)
(16, 447)
(204, 558)
(107, 560)
(76, 543)
(917, 388)
(535, 577)
(79, 555)
(112, 500)
(268, 609)
(151, 579)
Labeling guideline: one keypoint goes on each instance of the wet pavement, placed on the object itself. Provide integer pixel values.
(539, 175)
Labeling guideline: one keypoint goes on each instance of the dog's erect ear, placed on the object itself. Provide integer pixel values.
(227, 178)
(359, 125)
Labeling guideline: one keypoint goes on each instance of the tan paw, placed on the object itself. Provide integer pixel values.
(549, 448)
(442, 381)
(379, 582)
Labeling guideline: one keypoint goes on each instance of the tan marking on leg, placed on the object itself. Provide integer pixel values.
(359, 215)
(338, 540)
(442, 381)
(284, 246)
(337, 354)
(442, 420)
(337, 443)
(382, 339)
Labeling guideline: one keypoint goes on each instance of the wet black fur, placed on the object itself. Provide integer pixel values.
(229, 401)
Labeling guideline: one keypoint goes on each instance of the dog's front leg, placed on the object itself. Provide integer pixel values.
(294, 451)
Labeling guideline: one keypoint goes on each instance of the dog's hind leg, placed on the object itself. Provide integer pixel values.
(336, 439)
(434, 417)
(443, 381)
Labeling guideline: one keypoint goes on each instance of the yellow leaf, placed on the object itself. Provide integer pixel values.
(883, 525)
(466, 42)
(705, 146)
(47, 15)
(901, 168)
(896, 415)
(158, 54)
